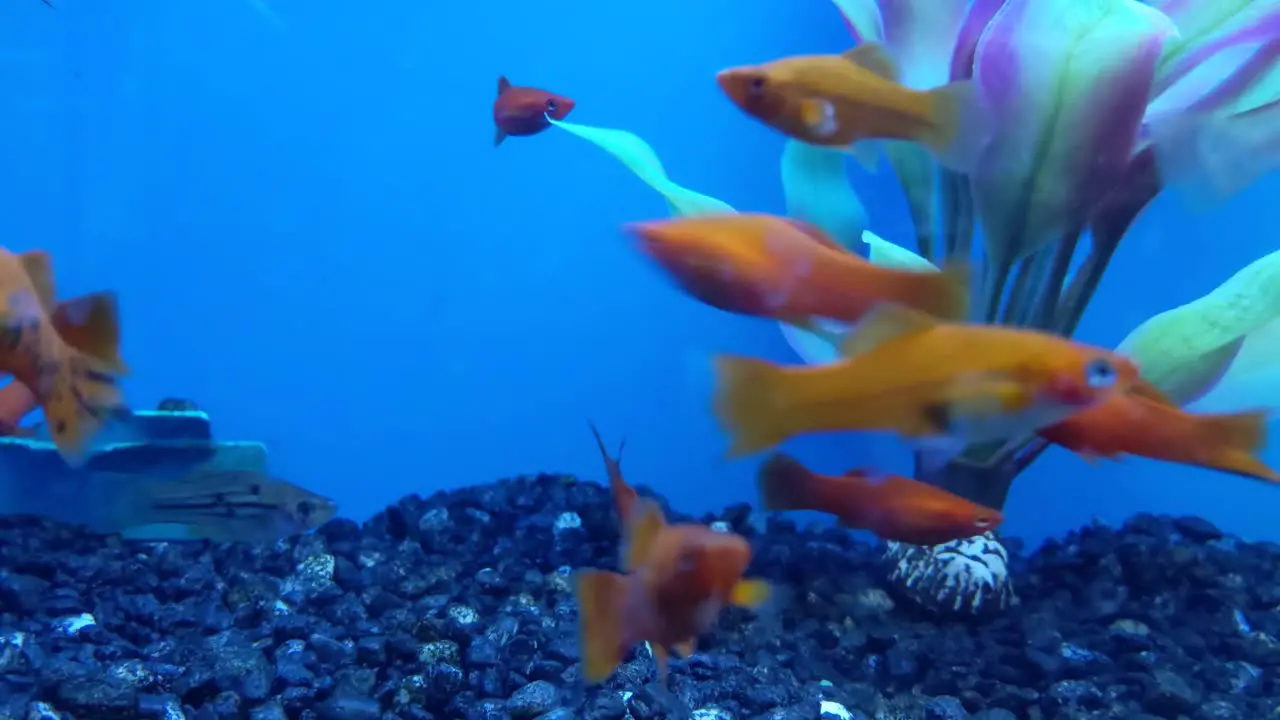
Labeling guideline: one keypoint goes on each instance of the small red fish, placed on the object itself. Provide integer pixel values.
(678, 579)
(624, 496)
(524, 110)
(891, 506)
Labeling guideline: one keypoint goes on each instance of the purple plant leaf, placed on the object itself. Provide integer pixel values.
(981, 12)
(1203, 22)
(1229, 64)
(921, 35)
(1067, 82)
(863, 17)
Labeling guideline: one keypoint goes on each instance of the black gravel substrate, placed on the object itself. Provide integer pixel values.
(458, 607)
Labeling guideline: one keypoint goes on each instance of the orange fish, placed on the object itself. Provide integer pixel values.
(624, 496)
(77, 389)
(84, 324)
(1129, 424)
(891, 506)
(524, 110)
(838, 100)
(678, 579)
(948, 384)
(768, 266)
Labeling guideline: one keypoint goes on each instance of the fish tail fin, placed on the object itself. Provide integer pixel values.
(1236, 439)
(1242, 431)
(961, 125)
(785, 484)
(83, 399)
(748, 402)
(600, 632)
(1245, 464)
(91, 324)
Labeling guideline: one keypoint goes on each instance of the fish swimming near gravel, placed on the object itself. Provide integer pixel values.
(678, 579)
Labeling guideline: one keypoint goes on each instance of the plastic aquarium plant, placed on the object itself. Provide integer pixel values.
(1092, 98)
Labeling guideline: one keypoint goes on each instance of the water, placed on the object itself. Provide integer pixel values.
(314, 238)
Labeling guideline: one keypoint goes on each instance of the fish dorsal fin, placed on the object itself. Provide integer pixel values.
(39, 269)
(817, 234)
(873, 58)
(503, 84)
(642, 531)
(883, 323)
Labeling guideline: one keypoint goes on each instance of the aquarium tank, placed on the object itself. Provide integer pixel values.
(817, 360)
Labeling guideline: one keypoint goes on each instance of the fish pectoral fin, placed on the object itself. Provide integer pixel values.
(883, 323)
(686, 648)
(749, 594)
(874, 58)
(39, 269)
(819, 116)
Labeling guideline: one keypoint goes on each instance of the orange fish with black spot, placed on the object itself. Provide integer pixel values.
(946, 385)
(891, 506)
(767, 266)
(624, 496)
(67, 356)
(838, 100)
(1134, 425)
(678, 578)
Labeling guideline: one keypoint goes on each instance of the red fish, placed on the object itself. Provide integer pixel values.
(1135, 425)
(770, 266)
(891, 506)
(524, 110)
(678, 579)
(624, 496)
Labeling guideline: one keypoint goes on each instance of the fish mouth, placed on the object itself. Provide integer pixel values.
(648, 234)
(733, 82)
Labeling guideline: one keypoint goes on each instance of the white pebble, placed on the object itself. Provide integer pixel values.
(829, 707)
(74, 624)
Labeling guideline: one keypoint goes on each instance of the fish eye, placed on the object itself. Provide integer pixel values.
(551, 105)
(305, 508)
(1100, 374)
(756, 86)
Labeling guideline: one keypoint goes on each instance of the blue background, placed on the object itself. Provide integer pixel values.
(315, 239)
